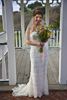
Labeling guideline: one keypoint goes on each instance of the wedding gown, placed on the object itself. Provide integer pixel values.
(38, 83)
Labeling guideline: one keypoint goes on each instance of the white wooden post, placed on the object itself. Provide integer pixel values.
(47, 12)
(57, 38)
(19, 39)
(16, 38)
(63, 44)
(10, 42)
(3, 18)
(4, 73)
(54, 38)
(22, 23)
(47, 15)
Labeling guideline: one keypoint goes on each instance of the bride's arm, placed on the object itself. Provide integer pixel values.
(27, 39)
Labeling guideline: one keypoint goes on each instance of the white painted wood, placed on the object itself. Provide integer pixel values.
(22, 23)
(47, 12)
(60, 44)
(50, 40)
(19, 39)
(16, 38)
(54, 38)
(47, 20)
(4, 75)
(57, 38)
(63, 44)
(3, 18)
(4, 80)
(10, 42)
(3, 38)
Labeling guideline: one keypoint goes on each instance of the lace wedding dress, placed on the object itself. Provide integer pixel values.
(38, 83)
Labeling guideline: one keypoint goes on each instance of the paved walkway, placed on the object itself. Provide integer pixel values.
(54, 95)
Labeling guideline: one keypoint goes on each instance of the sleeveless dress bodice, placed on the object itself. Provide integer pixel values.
(33, 37)
(34, 51)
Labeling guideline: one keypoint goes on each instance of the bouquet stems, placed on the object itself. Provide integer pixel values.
(41, 50)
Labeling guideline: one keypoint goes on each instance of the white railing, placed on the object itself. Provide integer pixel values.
(18, 38)
(3, 38)
(51, 43)
(18, 44)
(54, 38)
(3, 50)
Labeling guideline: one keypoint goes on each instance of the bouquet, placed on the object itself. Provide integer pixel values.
(43, 34)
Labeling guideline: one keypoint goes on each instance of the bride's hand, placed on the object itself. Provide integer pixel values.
(41, 44)
(38, 44)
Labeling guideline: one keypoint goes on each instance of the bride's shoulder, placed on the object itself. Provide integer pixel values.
(29, 28)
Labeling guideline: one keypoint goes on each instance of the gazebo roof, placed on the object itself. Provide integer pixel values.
(43, 1)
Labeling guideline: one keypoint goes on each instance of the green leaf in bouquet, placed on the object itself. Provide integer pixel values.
(50, 26)
(46, 35)
(52, 38)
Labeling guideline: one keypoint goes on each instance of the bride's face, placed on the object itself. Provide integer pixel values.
(37, 18)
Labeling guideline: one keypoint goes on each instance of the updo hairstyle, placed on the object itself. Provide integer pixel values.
(37, 11)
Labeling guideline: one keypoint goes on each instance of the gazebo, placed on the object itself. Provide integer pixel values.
(8, 27)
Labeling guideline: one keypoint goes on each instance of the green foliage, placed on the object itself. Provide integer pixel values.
(25, 9)
(35, 4)
(56, 22)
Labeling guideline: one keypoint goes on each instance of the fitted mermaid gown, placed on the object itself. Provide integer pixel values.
(38, 83)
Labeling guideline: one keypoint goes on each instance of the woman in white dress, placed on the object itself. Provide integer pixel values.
(38, 83)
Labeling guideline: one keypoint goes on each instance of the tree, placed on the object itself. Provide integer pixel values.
(35, 4)
(25, 9)
(56, 22)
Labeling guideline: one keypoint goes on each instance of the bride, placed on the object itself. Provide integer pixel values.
(38, 83)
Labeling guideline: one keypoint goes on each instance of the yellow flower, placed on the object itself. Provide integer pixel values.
(49, 34)
(45, 25)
